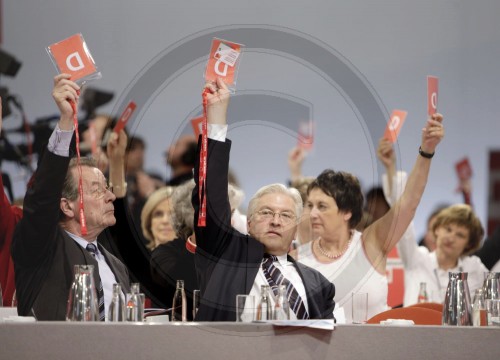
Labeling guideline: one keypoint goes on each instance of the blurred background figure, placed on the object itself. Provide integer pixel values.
(92, 139)
(296, 158)
(375, 206)
(490, 251)
(181, 158)
(140, 184)
(9, 217)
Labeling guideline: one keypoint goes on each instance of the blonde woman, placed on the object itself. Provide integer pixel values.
(156, 218)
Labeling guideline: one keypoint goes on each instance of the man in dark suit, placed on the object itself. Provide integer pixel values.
(229, 263)
(48, 241)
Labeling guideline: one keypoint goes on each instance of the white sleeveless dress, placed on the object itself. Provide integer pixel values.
(352, 272)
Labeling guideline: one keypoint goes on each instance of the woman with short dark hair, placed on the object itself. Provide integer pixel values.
(356, 261)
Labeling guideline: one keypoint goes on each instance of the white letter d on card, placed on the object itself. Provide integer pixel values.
(78, 59)
(217, 66)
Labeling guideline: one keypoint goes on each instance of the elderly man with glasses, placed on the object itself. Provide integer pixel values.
(230, 263)
(49, 240)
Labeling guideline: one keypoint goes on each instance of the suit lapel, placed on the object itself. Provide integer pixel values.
(255, 255)
(115, 268)
(79, 256)
(311, 301)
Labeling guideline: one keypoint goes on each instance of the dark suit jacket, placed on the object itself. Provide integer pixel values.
(43, 254)
(227, 261)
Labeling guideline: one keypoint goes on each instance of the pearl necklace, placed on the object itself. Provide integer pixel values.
(330, 256)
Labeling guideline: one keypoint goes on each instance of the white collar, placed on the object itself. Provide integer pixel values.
(458, 268)
(82, 242)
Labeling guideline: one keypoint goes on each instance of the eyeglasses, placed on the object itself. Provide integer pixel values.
(99, 192)
(266, 214)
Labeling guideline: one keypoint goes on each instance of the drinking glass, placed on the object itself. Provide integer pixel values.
(493, 310)
(14, 299)
(359, 308)
(117, 307)
(196, 302)
(135, 304)
(245, 308)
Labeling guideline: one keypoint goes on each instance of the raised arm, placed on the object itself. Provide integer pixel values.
(383, 235)
(31, 243)
(212, 237)
(393, 184)
(115, 150)
(296, 158)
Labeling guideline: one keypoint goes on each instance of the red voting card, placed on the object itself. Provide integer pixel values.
(432, 94)
(464, 170)
(73, 57)
(305, 139)
(223, 61)
(394, 125)
(196, 123)
(127, 113)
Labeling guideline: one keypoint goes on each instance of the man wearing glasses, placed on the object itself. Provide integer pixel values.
(230, 263)
(48, 241)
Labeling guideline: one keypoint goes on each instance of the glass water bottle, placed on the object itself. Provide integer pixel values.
(264, 309)
(422, 294)
(179, 304)
(281, 307)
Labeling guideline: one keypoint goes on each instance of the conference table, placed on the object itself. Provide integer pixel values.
(70, 340)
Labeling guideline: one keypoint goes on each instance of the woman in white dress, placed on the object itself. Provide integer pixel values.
(457, 232)
(356, 262)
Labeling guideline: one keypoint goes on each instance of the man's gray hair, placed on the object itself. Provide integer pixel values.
(276, 189)
(70, 186)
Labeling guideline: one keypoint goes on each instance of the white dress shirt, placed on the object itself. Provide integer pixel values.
(290, 273)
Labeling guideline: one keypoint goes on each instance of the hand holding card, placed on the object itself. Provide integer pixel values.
(127, 113)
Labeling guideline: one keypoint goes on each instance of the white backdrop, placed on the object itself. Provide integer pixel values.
(390, 45)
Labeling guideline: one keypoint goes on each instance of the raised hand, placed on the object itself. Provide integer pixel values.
(117, 144)
(432, 133)
(65, 91)
(385, 153)
(217, 102)
(296, 158)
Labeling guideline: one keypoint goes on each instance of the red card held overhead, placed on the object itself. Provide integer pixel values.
(197, 123)
(464, 170)
(72, 56)
(432, 94)
(127, 113)
(223, 61)
(305, 138)
(394, 125)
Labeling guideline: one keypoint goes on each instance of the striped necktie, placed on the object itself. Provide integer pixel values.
(92, 249)
(275, 278)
